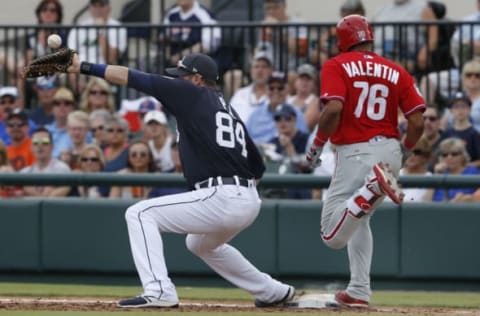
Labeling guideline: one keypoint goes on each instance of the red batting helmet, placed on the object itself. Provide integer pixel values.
(353, 30)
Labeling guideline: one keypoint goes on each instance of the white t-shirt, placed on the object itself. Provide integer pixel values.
(244, 102)
(162, 157)
(84, 40)
(54, 166)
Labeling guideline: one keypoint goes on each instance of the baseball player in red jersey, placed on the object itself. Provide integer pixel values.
(361, 94)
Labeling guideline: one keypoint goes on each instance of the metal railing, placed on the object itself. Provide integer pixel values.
(177, 180)
(150, 47)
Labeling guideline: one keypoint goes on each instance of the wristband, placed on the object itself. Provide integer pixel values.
(320, 138)
(97, 70)
(407, 144)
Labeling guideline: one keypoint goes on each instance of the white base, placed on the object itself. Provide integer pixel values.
(314, 301)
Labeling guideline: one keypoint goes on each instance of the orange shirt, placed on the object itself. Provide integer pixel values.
(21, 156)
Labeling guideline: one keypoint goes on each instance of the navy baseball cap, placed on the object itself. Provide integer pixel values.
(460, 96)
(278, 76)
(284, 111)
(18, 113)
(196, 63)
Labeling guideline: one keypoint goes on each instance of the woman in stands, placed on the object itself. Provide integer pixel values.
(97, 95)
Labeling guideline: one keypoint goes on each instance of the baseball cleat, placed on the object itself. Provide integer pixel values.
(346, 300)
(388, 183)
(283, 302)
(145, 301)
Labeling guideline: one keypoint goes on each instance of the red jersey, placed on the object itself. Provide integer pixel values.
(372, 90)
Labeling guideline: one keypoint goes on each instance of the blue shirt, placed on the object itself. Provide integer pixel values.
(261, 124)
(61, 140)
(440, 195)
(40, 117)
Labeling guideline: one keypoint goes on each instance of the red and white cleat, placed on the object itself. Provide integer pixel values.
(346, 300)
(388, 183)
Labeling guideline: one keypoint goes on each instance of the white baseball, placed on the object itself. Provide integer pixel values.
(54, 41)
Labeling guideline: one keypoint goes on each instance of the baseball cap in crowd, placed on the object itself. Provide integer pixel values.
(263, 55)
(196, 63)
(460, 96)
(155, 116)
(307, 70)
(9, 91)
(148, 105)
(18, 113)
(64, 94)
(47, 83)
(102, 2)
(284, 111)
(278, 76)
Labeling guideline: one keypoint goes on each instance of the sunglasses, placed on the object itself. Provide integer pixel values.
(46, 86)
(62, 102)
(472, 74)
(430, 118)
(17, 125)
(49, 9)
(41, 141)
(7, 101)
(418, 152)
(97, 128)
(452, 153)
(118, 130)
(460, 106)
(135, 154)
(98, 92)
(278, 88)
(91, 159)
(283, 118)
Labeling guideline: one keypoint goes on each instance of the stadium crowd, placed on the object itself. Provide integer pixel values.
(61, 124)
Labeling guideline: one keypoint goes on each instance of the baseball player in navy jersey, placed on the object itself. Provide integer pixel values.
(221, 165)
(361, 99)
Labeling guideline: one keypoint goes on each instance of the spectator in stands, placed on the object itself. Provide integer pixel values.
(91, 161)
(77, 127)
(45, 88)
(8, 103)
(146, 106)
(140, 160)
(19, 151)
(116, 153)
(97, 120)
(247, 99)
(465, 43)
(460, 107)
(290, 144)
(97, 39)
(48, 13)
(416, 163)
(63, 104)
(261, 125)
(182, 41)
(7, 191)
(401, 43)
(432, 132)
(453, 160)
(305, 98)
(288, 46)
(326, 46)
(97, 95)
(160, 141)
(471, 86)
(42, 145)
(93, 41)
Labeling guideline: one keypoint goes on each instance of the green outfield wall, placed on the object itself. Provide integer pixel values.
(424, 241)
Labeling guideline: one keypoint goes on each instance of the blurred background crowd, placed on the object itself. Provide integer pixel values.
(270, 65)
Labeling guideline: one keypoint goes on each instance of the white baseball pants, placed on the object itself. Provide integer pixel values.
(211, 217)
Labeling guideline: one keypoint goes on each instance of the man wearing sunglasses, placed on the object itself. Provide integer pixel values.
(42, 112)
(42, 147)
(19, 151)
(261, 124)
(221, 165)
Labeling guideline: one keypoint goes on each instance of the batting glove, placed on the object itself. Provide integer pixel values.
(313, 154)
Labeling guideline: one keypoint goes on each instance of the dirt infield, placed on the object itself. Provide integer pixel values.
(107, 304)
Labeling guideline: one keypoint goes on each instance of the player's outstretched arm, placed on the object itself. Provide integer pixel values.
(111, 73)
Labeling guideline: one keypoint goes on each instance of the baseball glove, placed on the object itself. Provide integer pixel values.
(59, 61)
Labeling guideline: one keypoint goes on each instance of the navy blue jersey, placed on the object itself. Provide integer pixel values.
(213, 141)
